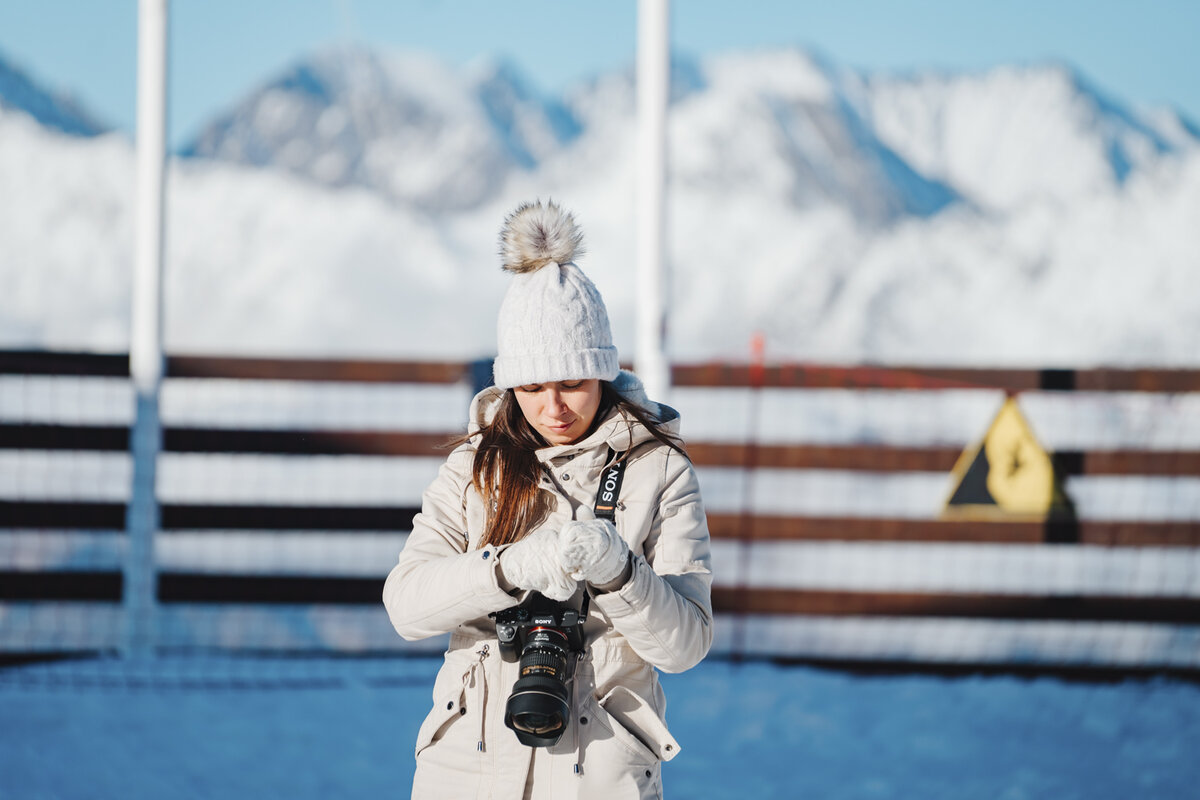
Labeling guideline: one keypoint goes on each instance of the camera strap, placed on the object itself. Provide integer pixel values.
(610, 486)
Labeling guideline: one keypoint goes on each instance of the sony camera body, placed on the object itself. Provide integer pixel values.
(515, 625)
(544, 637)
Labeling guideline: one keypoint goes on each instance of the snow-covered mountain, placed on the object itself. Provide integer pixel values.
(20, 94)
(405, 125)
(351, 206)
(1017, 134)
(780, 125)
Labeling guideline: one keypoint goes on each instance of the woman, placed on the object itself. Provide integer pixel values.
(511, 517)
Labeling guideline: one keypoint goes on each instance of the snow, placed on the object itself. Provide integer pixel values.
(350, 207)
(1015, 134)
(250, 728)
(392, 123)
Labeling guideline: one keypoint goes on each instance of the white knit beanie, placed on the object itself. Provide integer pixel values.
(553, 325)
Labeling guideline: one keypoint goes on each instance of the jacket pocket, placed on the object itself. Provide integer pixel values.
(636, 726)
(447, 709)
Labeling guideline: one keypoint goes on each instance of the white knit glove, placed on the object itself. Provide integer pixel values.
(591, 550)
(533, 563)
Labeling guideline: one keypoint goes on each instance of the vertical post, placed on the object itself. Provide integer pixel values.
(145, 346)
(653, 78)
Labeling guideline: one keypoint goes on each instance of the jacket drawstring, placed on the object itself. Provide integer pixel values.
(576, 709)
(478, 676)
(575, 727)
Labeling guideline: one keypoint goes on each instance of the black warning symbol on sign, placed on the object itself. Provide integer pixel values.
(1007, 474)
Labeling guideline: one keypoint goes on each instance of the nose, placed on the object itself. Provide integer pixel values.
(554, 401)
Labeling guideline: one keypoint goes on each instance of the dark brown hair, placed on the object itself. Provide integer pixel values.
(506, 469)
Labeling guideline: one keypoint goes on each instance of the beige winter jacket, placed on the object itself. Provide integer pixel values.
(662, 618)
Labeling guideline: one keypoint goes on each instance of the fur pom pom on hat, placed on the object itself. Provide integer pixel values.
(553, 325)
(536, 235)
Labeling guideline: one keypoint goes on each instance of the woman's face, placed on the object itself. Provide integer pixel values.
(562, 412)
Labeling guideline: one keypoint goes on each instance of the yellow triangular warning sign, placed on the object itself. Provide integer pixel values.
(1007, 474)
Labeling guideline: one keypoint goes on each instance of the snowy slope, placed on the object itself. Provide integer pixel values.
(258, 261)
(1016, 216)
(66, 220)
(1110, 279)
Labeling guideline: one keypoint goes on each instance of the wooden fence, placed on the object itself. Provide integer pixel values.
(739, 530)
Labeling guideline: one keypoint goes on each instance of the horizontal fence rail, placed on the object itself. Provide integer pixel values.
(305, 369)
(205, 588)
(183, 592)
(795, 376)
(868, 529)
(809, 376)
(870, 458)
(975, 606)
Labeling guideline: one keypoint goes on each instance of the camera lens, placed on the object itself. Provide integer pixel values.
(537, 717)
(538, 707)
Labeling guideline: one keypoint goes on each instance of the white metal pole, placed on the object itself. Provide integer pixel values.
(145, 346)
(653, 78)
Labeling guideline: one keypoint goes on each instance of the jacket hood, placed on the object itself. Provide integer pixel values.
(616, 432)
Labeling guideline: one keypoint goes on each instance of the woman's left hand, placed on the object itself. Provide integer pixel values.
(591, 550)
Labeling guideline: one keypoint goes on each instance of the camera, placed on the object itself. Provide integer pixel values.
(545, 637)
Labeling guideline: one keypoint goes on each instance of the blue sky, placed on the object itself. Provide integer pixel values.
(1143, 53)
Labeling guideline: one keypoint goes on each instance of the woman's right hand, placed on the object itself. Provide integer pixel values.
(533, 563)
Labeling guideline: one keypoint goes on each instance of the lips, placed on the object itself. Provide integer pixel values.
(560, 429)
